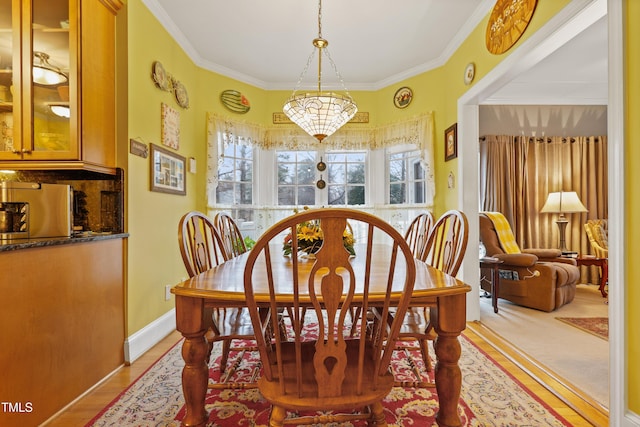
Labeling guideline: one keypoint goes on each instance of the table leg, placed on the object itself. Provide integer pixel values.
(195, 374)
(449, 319)
(604, 277)
(495, 287)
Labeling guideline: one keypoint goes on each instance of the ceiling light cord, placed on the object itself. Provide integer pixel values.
(322, 113)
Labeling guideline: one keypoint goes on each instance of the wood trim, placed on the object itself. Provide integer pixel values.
(577, 400)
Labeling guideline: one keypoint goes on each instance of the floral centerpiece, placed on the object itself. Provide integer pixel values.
(310, 238)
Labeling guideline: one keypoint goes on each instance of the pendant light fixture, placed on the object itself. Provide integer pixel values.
(46, 74)
(320, 113)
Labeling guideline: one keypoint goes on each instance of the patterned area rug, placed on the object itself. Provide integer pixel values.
(598, 326)
(490, 396)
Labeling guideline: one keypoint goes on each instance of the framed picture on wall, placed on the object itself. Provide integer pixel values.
(170, 127)
(451, 142)
(167, 171)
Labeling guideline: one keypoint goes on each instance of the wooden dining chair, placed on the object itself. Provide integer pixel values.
(416, 236)
(418, 233)
(201, 247)
(444, 249)
(321, 368)
(232, 240)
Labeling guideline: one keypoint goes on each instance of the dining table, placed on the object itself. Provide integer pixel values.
(223, 286)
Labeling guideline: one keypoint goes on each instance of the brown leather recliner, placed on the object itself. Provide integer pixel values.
(541, 278)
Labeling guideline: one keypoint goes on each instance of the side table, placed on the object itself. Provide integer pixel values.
(604, 269)
(493, 264)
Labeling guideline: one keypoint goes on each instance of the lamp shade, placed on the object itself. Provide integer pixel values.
(45, 74)
(320, 114)
(563, 202)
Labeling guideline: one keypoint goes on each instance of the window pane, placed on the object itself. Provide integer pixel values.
(306, 174)
(306, 195)
(336, 195)
(225, 171)
(244, 170)
(307, 157)
(396, 194)
(286, 156)
(337, 173)
(396, 170)
(235, 175)
(245, 151)
(229, 150)
(224, 193)
(418, 172)
(285, 196)
(355, 195)
(335, 157)
(286, 173)
(245, 191)
(418, 192)
(356, 157)
(355, 173)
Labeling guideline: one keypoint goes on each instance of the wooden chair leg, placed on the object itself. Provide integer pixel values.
(226, 347)
(377, 414)
(424, 349)
(278, 414)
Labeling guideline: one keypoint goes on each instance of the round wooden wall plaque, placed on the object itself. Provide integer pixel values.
(508, 21)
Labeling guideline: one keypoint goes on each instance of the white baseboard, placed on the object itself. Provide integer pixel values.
(150, 335)
(631, 419)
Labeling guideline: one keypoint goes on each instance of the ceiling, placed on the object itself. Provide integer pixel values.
(373, 43)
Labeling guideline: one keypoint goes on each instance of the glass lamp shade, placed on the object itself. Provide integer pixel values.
(563, 202)
(320, 114)
(46, 74)
(61, 110)
(48, 77)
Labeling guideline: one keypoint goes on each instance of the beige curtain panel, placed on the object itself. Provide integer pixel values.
(517, 173)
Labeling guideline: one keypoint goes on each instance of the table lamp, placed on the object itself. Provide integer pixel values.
(563, 202)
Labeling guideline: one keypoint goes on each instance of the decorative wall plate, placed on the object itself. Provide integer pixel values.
(180, 92)
(469, 73)
(159, 76)
(235, 101)
(403, 97)
(508, 21)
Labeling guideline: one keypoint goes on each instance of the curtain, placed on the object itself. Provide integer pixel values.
(417, 130)
(517, 173)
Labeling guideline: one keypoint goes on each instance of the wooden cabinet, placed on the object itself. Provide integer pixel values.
(57, 84)
(62, 312)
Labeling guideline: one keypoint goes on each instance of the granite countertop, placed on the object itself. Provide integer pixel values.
(16, 244)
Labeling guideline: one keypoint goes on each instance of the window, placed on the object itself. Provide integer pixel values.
(296, 177)
(346, 178)
(406, 178)
(235, 174)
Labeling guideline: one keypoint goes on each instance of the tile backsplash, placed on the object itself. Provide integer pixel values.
(98, 198)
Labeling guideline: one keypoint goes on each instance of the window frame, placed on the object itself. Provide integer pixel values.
(321, 195)
(410, 181)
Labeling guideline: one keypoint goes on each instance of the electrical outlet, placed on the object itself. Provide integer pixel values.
(167, 292)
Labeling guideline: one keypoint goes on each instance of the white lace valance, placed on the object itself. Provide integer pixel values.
(417, 130)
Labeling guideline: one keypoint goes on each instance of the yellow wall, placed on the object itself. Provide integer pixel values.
(632, 197)
(154, 259)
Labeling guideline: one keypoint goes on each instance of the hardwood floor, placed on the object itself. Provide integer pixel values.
(84, 409)
(562, 399)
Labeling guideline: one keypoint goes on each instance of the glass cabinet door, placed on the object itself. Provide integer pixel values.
(8, 48)
(51, 79)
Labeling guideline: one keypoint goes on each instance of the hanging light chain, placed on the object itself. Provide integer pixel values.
(319, 19)
(335, 69)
